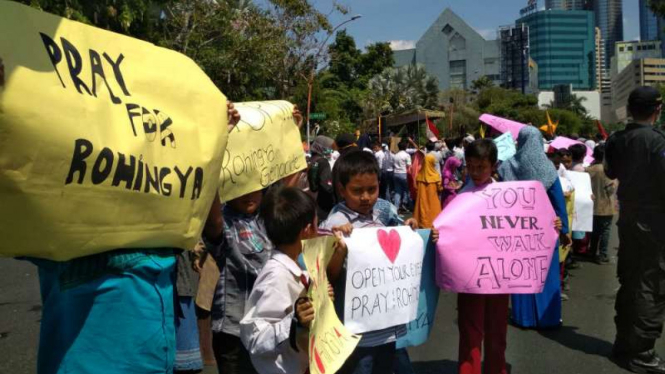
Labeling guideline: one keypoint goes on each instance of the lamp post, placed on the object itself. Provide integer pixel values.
(310, 81)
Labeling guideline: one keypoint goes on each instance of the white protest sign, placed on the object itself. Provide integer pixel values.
(583, 216)
(506, 146)
(383, 278)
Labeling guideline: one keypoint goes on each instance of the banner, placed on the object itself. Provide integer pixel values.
(562, 142)
(583, 216)
(105, 141)
(503, 125)
(382, 278)
(330, 343)
(506, 146)
(263, 148)
(418, 330)
(496, 240)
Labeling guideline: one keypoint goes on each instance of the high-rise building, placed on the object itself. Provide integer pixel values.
(555, 4)
(515, 57)
(609, 18)
(454, 53)
(648, 22)
(603, 81)
(567, 4)
(600, 58)
(627, 52)
(643, 72)
(563, 44)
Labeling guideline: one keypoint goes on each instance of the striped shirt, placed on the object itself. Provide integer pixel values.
(384, 214)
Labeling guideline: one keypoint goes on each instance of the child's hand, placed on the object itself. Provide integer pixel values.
(340, 245)
(565, 240)
(297, 116)
(233, 115)
(412, 223)
(304, 312)
(435, 235)
(346, 229)
(331, 292)
(557, 224)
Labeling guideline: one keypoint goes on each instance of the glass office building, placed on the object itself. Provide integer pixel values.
(563, 45)
(609, 18)
(648, 22)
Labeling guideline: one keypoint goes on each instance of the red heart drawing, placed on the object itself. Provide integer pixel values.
(390, 243)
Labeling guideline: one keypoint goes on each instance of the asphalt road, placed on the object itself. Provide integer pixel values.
(581, 345)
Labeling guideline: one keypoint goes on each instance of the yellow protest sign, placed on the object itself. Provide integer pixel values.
(330, 343)
(105, 141)
(263, 148)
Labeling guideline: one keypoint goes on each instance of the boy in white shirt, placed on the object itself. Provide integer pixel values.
(275, 327)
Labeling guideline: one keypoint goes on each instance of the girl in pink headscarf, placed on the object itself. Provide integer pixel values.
(450, 183)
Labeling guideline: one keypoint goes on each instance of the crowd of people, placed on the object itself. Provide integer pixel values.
(134, 310)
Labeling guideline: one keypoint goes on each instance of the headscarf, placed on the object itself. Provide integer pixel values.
(449, 169)
(530, 162)
(428, 173)
(322, 146)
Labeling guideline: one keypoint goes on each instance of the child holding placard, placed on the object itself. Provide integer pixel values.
(358, 185)
(275, 327)
(482, 317)
(240, 249)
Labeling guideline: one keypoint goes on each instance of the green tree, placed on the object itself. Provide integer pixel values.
(482, 83)
(137, 18)
(400, 89)
(373, 61)
(250, 52)
(658, 7)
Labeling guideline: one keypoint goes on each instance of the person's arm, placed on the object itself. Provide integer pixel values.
(608, 166)
(658, 160)
(214, 225)
(336, 263)
(267, 323)
(555, 194)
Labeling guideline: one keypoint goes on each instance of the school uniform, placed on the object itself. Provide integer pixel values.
(269, 329)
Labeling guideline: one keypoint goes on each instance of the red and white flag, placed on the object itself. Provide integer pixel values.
(432, 131)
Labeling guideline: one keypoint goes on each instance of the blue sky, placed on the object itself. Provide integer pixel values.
(404, 21)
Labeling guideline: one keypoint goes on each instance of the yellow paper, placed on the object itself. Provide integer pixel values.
(330, 343)
(263, 148)
(105, 141)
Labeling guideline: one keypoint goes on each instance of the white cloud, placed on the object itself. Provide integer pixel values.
(398, 45)
(489, 34)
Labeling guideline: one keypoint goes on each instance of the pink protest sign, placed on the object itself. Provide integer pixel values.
(496, 240)
(562, 142)
(503, 125)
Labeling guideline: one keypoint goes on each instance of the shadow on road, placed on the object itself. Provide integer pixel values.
(570, 338)
(440, 367)
(435, 367)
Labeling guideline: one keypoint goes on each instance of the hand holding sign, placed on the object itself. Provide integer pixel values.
(495, 240)
(263, 148)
